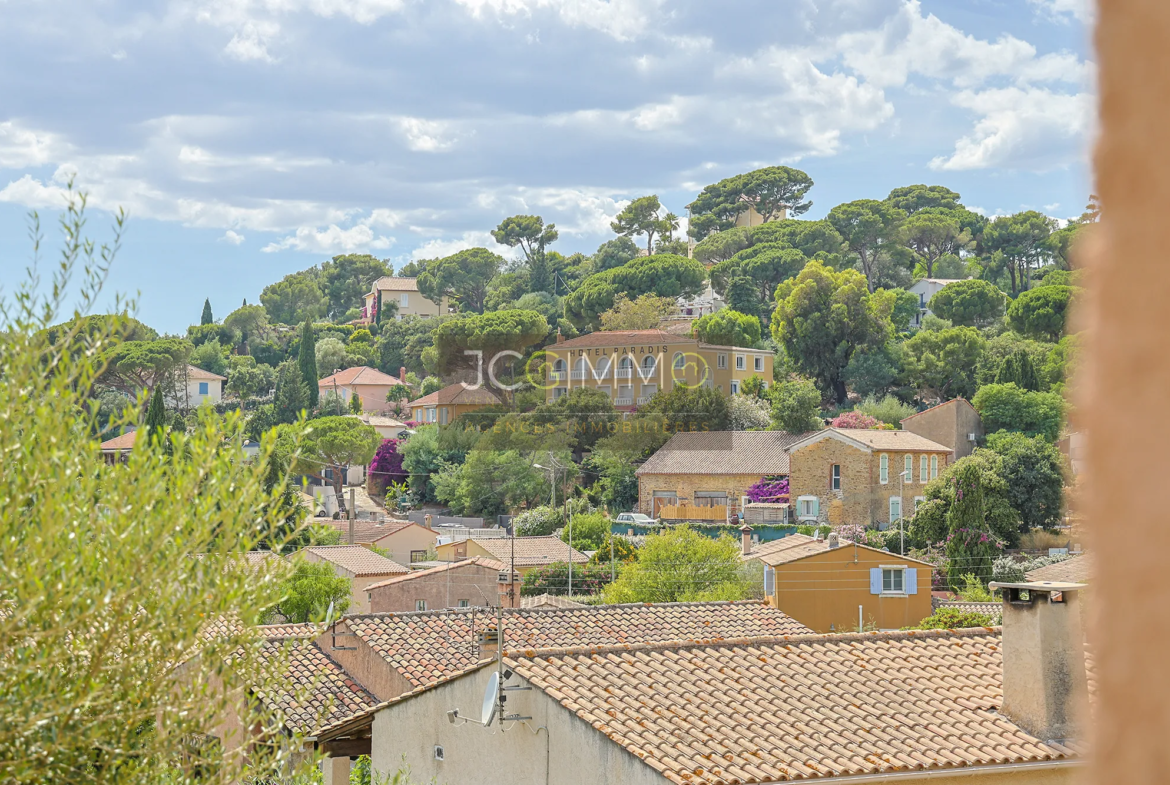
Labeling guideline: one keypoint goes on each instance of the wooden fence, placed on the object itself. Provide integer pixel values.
(690, 512)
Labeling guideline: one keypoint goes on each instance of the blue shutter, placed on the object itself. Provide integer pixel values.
(816, 507)
(911, 577)
(875, 580)
(769, 581)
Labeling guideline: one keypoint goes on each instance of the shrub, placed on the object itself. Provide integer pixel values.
(588, 531)
(812, 531)
(624, 551)
(538, 522)
(973, 589)
(954, 619)
(386, 468)
(772, 490)
(851, 532)
(554, 579)
(855, 419)
(889, 409)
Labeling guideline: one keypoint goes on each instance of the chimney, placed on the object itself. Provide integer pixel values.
(402, 374)
(560, 337)
(745, 532)
(834, 541)
(1044, 683)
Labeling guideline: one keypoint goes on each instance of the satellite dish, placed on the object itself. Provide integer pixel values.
(490, 699)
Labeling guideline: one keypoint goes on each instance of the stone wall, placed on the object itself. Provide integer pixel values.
(685, 486)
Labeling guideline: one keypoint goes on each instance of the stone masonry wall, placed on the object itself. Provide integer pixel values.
(685, 485)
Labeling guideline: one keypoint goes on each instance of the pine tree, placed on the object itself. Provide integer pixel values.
(355, 404)
(307, 361)
(155, 425)
(291, 394)
(1019, 369)
(207, 318)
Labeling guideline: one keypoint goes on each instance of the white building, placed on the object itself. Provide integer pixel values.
(201, 387)
(708, 302)
(924, 289)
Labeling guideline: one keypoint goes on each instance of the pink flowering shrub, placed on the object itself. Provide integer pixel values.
(856, 419)
(386, 468)
(769, 490)
(851, 532)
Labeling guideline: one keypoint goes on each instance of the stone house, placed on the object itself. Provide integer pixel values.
(711, 469)
(867, 477)
(953, 424)
(474, 582)
(358, 564)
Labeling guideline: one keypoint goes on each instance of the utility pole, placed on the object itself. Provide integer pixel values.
(351, 514)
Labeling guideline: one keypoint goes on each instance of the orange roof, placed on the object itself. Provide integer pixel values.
(123, 442)
(364, 531)
(621, 338)
(458, 393)
(361, 374)
(199, 373)
(389, 283)
(357, 559)
(475, 561)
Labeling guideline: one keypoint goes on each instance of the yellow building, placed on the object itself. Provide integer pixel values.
(631, 366)
(445, 405)
(404, 292)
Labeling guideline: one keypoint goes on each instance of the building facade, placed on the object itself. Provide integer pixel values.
(448, 404)
(369, 384)
(404, 292)
(924, 289)
(953, 424)
(631, 366)
(466, 584)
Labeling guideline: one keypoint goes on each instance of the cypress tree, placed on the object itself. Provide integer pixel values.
(1019, 369)
(155, 425)
(307, 361)
(355, 404)
(207, 317)
(291, 394)
(970, 546)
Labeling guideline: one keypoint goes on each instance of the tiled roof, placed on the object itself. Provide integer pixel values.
(314, 690)
(389, 283)
(531, 551)
(1078, 569)
(798, 546)
(475, 561)
(297, 630)
(363, 531)
(768, 710)
(458, 393)
(723, 452)
(429, 646)
(888, 441)
(199, 373)
(620, 338)
(356, 559)
(992, 609)
(123, 442)
(549, 601)
(360, 374)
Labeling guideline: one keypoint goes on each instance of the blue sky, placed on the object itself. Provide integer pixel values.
(249, 139)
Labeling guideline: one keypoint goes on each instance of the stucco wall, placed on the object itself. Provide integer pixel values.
(358, 601)
(949, 425)
(569, 752)
(364, 664)
(402, 542)
(685, 485)
(475, 583)
(824, 591)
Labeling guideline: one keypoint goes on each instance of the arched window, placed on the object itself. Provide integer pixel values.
(559, 366)
(680, 362)
(649, 362)
(602, 369)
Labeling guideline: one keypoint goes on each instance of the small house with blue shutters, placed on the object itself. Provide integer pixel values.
(833, 585)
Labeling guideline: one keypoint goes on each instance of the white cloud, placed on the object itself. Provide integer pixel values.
(427, 136)
(232, 237)
(1032, 129)
(1081, 10)
(620, 19)
(248, 45)
(439, 247)
(332, 240)
(30, 192)
(22, 147)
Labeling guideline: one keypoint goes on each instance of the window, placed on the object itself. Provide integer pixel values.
(420, 605)
(650, 390)
(602, 368)
(710, 498)
(933, 466)
(203, 388)
(923, 471)
(884, 469)
(417, 556)
(721, 361)
(649, 363)
(404, 300)
(893, 580)
(465, 603)
(909, 468)
(807, 508)
(917, 501)
(559, 366)
(605, 388)
(559, 391)
(680, 362)
(443, 416)
(895, 509)
(735, 386)
(759, 363)
(740, 362)
(835, 477)
(431, 415)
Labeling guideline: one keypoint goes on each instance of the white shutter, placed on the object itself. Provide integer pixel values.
(875, 580)
(911, 580)
(769, 581)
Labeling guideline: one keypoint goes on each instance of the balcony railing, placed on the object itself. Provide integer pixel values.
(624, 373)
(643, 399)
(623, 401)
(579, 375)
(556, 376)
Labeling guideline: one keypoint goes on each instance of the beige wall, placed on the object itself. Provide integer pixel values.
(400, 544)
(373, 395)
(949, 425)
(453, 411)
(863, 498)
(364, 664)
(685, 486)
(417, 304)
(477, 584)
(358, 600)
(824, 591)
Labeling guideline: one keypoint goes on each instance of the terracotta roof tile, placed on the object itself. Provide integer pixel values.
(799, 546)
(123, 442)
(476, 561)
(530, 551)
(199, 373)
(313, 689)
(356, 559)
(874, 439)
(992, 609)
(723, 452)
(620, 338)
(1078, 569)
(939, 406)
(458, 393)
(549, 601)
(768, 710)
(389, 283)
(359, 374)
(363, 531)
(427, 647)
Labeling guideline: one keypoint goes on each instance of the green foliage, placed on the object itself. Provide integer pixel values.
(1008, 569)
(955, 619)
(614, 546)
(1042, 312)
(207, 318)
(903, 308)
(764, 266)
(796, 406)
(463, 276)
(643, 313)
(872, 373)
(533, 237)
(292, 394)
(209, 357)
(889, 409)
(584, 412)
(665, 275)
(538, 522)
(490, 482)
(932, 234)
(307, 591)
(554, 579)
(355, 403)
(586, 532)
(345, 280)
(930, 524)
(1005, 407)
(1021, 240)
(614, 253)
(616, 481)
(823, 318)
(1019, 370)
(969, 303)
(401, 343)
(868, 227)
(1034, 471)
(641, 216)
(974, 590)
(429, 385)
(912, 199)
(681, 565)
(430, 449)
(721, 246)
(133, 366)
(944, 361)
(307, 363)
(686, 408)
(336, 442)
(1005, 345)
(330, 356)
(249, 322)
(457, 340)
(728, 328)
(296, 298)
(771, 191)
(154, 427)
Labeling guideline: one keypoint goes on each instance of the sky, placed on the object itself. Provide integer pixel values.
(249, 139)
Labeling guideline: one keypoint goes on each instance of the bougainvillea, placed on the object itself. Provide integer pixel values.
(855, 419)
(386, 467)
(769, 490)
(851, 532)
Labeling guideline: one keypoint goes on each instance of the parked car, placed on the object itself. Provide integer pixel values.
(636, 517)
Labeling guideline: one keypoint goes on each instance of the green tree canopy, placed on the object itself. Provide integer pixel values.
(1033, 469)
(296, 298)
(346, 279)
(944, 361)
(133, 366)
(207, 318)
(823, 317)
(1042, 312)
(969, 303)
(868, 227)
(766, 266)
(307, 363)
(533, 237)
(211, 357)
(1022, 240)
(931, 523)
(458, 341)
(796, 406)
(932, 235)
(687, 408)
(292, 394)
(681, 565)
(586, 413)
(721, 246)
(644, 313)
(248, 379)
(401, 343)
(250, 322)
(774, 192)
(726, 327)
(490, 482)
(641, 216)
(336, 442)
(1019, 369)
(911, 199)
(154, 427)
(1005, 407)
(431, 448)
(463, 276)
(308, 590)
(665, 275)
(614, 253)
